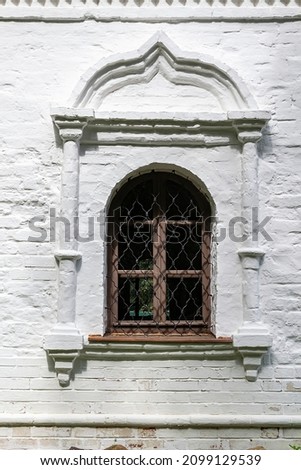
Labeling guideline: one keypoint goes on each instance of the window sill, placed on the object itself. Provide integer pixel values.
(204, 338)
(64, 348)
(141, 348)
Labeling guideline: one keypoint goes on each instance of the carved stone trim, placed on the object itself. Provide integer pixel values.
(205, 129)
(252, 340)
(67, 254)
(63, 364)
(251, 257)
(158, 12)
(64, 342)
(152, 5)
(252, 358)
(249, 125)
(71, 124)
(159, 351)
(160, 129)
(161, 55)
(240, 121)
(251, 252)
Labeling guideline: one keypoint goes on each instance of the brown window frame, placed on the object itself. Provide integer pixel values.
(159, 326)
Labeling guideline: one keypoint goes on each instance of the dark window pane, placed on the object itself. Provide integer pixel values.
(139, 202)
(135, 246)
(180, 205)
(184, 299)
(183, 247)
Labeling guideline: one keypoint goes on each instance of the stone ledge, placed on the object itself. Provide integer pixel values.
(157, 421)
(174, 13)
(159, 351)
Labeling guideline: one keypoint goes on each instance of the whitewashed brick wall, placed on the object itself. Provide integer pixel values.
(40, 66)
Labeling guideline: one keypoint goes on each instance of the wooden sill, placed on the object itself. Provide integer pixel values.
(204, 338)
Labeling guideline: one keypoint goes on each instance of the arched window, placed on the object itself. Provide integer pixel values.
(159, 265)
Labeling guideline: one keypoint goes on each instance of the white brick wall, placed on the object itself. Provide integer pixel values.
(41, 64)
(57, 438)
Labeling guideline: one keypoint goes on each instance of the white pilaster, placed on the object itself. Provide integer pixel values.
(65, 341)
(253, 338)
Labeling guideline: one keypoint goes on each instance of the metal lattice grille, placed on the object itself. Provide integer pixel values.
(159, 258)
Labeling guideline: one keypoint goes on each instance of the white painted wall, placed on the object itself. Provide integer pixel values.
(41, 64)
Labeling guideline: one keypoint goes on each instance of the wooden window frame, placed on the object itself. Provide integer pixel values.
(159, 327)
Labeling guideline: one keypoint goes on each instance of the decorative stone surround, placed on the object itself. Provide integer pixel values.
(252, 340)
(241, 124)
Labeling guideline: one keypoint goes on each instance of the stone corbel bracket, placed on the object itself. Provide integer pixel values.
(253, 338)
(63, 364)
(63, 344)
(252, 342)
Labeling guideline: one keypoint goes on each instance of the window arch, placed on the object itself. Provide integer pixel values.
(159, 267)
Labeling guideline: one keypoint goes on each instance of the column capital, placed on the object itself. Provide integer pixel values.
(245, 136)
(248, 131)
(249, 124)
(72, 255)
(251, 257)
(251, 252)
(70, 130)
(71, 122)
(69, 133)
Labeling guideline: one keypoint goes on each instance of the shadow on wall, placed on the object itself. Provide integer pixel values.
(265, 145)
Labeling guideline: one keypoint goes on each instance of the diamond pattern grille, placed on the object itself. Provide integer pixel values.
(159, 258)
